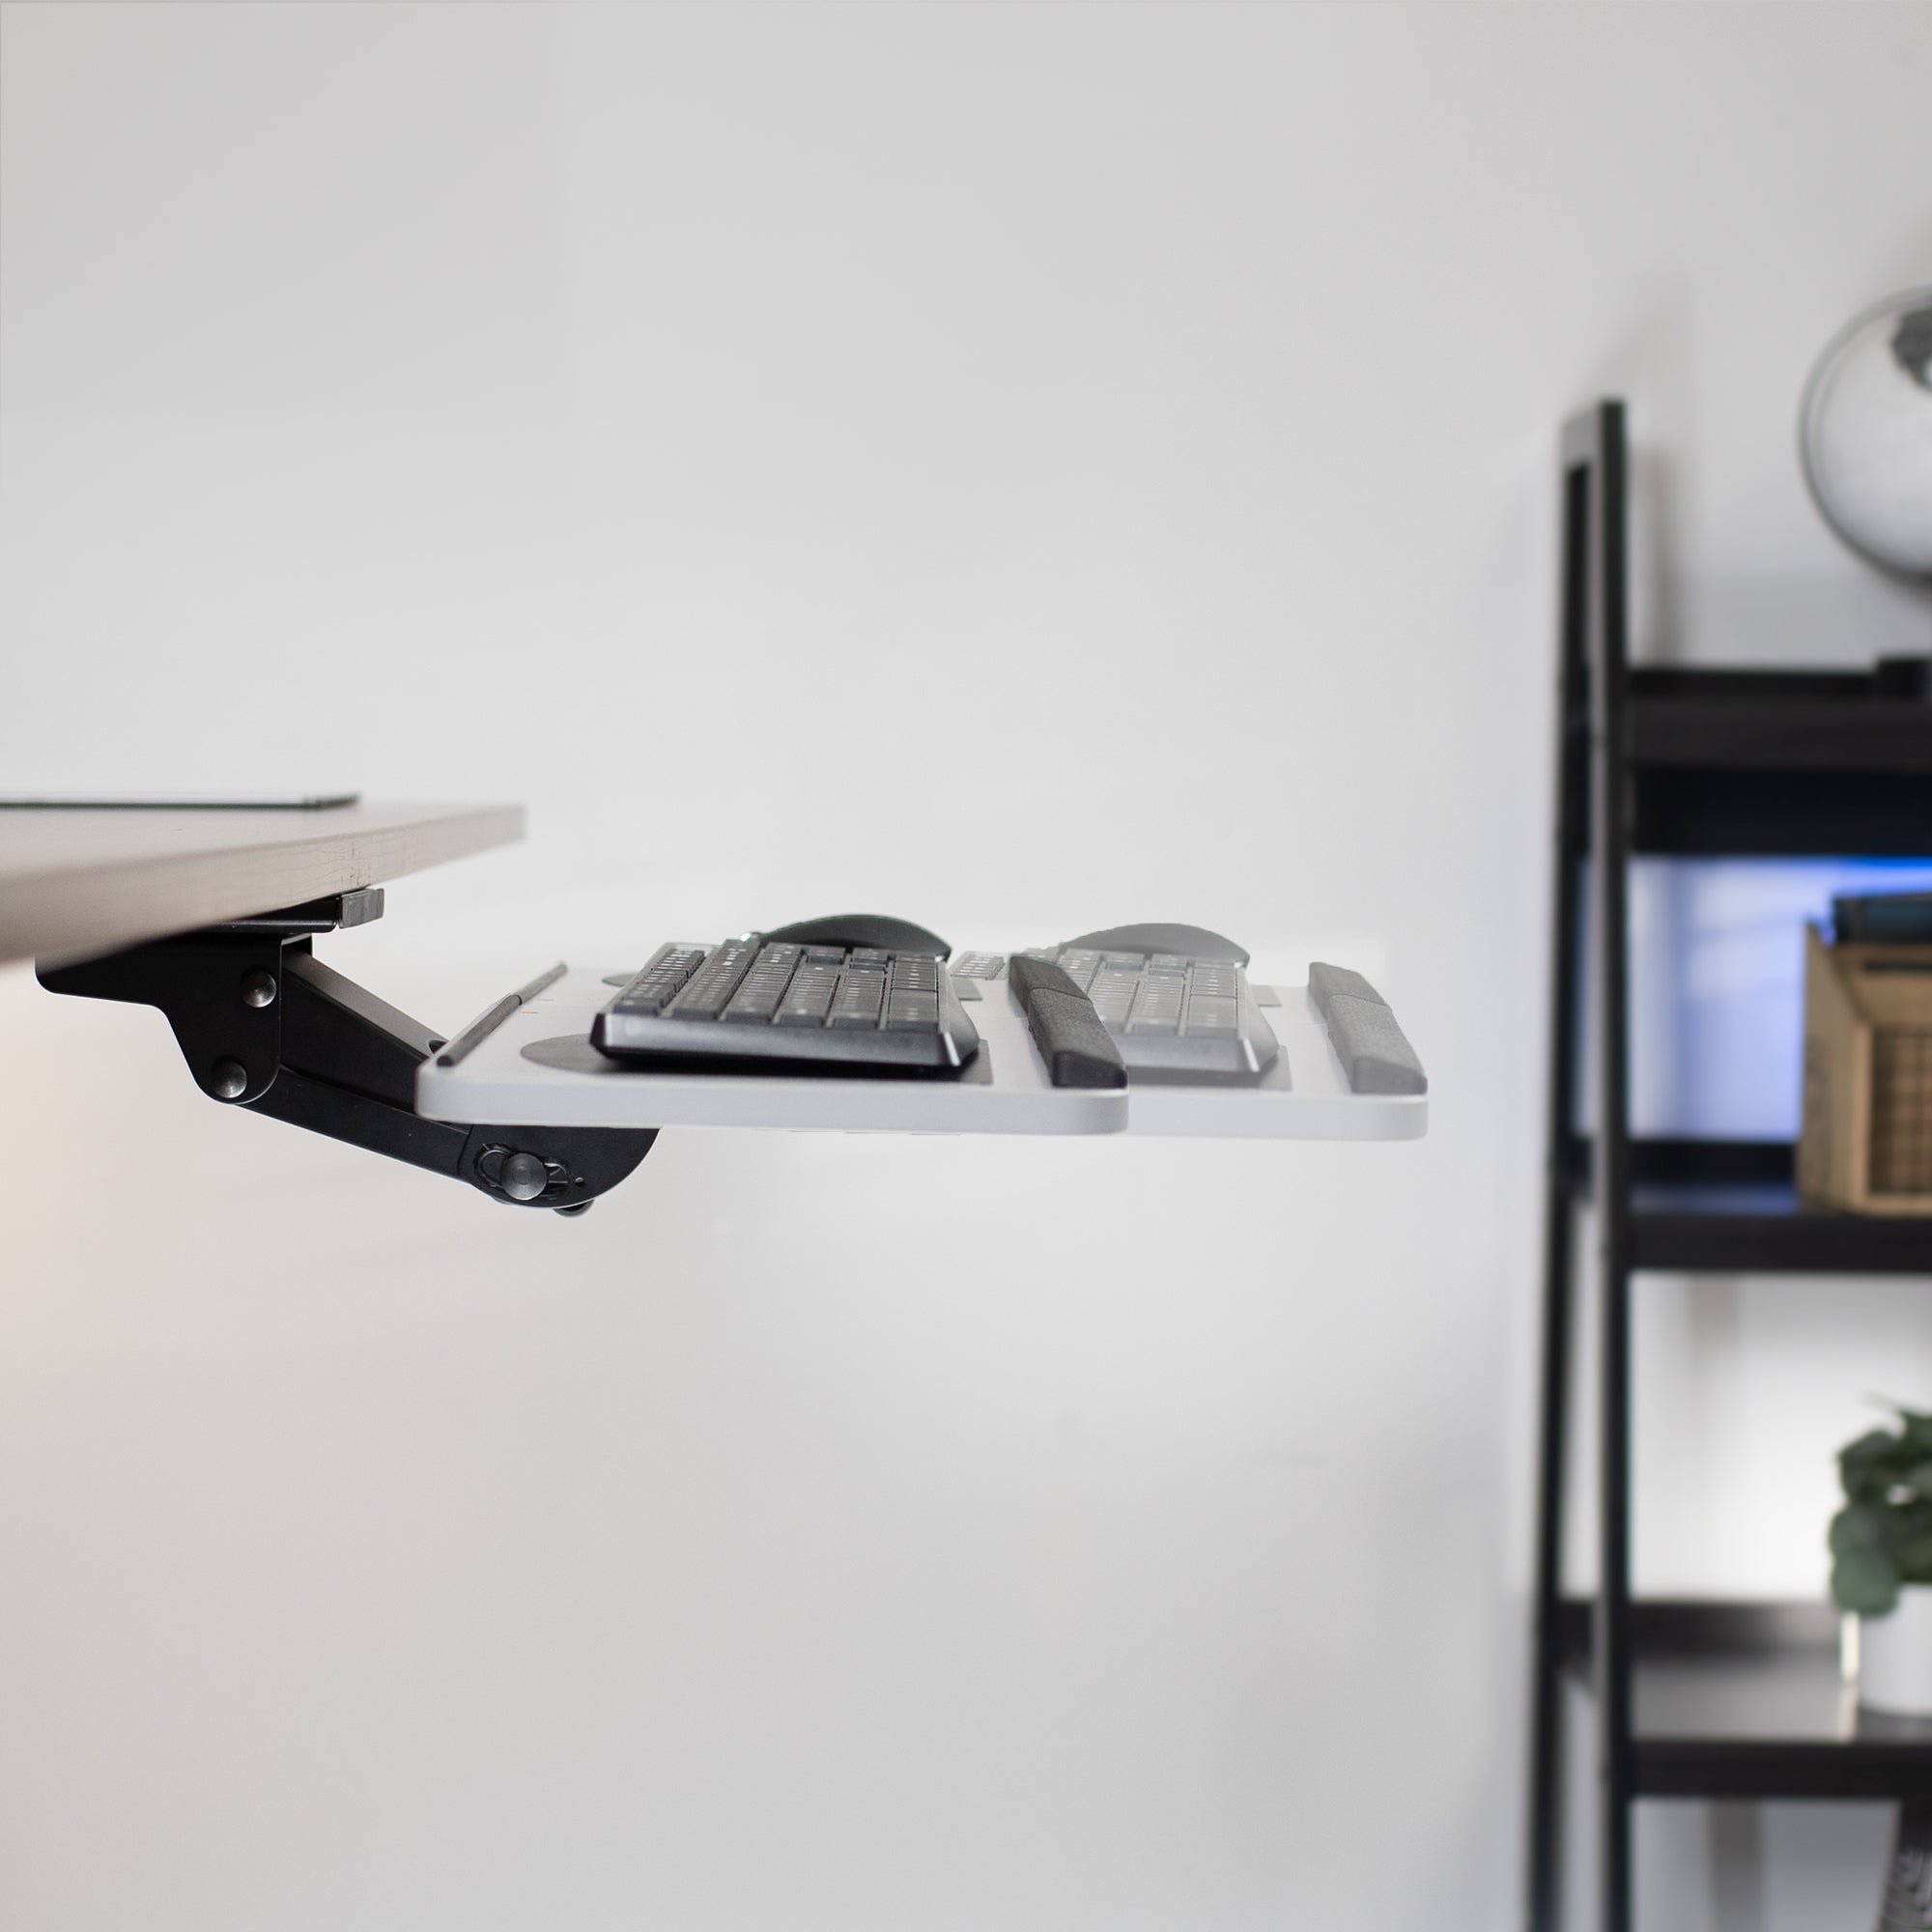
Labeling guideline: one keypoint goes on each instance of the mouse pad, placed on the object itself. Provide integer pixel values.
(572, 1053)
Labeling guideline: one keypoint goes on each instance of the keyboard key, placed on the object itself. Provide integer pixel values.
(660, 979)
(912, 1012)
(914, 975)
(712, 986)
(1157, 1008)
(860, 996)
(1209, 1013)
(809, 998)
(977, 965)
(1112, 990)
(762, 987)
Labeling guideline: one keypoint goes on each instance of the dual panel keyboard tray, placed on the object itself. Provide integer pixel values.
(537, 1068)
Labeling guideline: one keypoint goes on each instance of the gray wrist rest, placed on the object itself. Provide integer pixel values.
(1076, 1047)
(1374, 1052)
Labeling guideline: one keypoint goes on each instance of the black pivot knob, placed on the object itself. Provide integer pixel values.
(522, 1177)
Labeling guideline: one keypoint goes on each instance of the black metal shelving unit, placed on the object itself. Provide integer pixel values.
(1692, 1700)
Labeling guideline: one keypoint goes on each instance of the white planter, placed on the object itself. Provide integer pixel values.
(1895, 1656)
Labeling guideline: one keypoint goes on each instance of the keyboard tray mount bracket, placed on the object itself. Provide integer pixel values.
(264, 1024)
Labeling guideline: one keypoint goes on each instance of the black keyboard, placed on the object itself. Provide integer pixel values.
(1174, 1000)
(769, 1003)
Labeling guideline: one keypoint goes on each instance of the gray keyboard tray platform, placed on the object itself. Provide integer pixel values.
(537, 1068)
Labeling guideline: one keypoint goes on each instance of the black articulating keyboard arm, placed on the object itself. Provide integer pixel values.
(264, 1024)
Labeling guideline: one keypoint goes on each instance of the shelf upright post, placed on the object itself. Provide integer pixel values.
(1607, 644)
(1569, 849)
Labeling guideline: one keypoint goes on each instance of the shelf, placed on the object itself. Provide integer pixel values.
(1729, 1208)
(1756, 763)
(1765, 1229)
(1770, 721)
(1710, 1699)
(1745, 1700)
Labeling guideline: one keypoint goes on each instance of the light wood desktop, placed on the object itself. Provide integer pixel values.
(78, 881)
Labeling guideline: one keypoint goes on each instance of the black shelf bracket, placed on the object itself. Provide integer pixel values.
(264, 1024)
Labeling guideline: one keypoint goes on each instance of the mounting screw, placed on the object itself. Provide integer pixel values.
(523, 1176)
(258, 988)
(228, 1080)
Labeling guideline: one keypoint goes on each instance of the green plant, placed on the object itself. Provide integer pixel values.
(1882, 1537)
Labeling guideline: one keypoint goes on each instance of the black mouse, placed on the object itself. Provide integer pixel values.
(865, 928)
(1194, 942)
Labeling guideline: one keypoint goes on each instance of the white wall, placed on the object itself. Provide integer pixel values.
(1117, 444)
